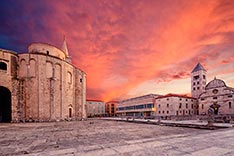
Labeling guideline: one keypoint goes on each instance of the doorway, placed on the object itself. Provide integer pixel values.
(5, 104)
(70, 112)
(215, 108)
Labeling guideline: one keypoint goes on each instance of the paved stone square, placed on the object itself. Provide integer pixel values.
(99, 137)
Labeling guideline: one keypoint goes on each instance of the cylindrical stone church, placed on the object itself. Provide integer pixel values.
(41, 85)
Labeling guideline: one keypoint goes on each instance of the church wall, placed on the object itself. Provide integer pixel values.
(223, 97)
(68, 87)
(80, 93)
(50, 92)
(9, 78)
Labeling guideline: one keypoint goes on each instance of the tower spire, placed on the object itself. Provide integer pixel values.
(64, 46)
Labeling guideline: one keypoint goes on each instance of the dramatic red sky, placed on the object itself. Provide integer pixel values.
(129, 47)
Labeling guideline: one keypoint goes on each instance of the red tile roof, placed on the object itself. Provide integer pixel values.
(94, 100)
(175, 95)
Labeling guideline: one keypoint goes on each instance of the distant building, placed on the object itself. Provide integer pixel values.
(110, 108)
(41, 85)
(175, 105)
(142, 106)
(217, 96)
(95, 108)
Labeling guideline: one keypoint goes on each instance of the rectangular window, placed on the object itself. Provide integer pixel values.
(215, 97)
(167, 112)
(202, 106)
(198, 88)
(229, 96)
(167, 105)
(149, 105)
(230, 105)
(180, 105)
(202, 99)
(139, 106)
(192, 106)
(186, 105)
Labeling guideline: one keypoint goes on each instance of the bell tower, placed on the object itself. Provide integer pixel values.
(198, 80)
(64, 49)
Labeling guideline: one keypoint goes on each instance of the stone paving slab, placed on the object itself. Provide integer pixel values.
(112, 138)
(214, 151)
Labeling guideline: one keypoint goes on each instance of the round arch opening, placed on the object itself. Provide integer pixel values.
(5, 104)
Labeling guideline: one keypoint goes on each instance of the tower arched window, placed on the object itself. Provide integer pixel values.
(3, 66)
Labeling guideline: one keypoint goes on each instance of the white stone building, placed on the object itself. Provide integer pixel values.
(175, 105)
(95, 108)
(41, 85)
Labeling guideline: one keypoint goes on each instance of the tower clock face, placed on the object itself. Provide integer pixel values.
(215, 91)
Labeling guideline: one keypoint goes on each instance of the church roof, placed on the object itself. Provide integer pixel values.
(198, 68)
(216, 83)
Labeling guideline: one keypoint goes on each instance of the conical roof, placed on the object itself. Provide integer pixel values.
(64, 47)
(198, 68)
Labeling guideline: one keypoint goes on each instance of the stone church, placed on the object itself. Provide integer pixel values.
(41, 85)
(215, 94)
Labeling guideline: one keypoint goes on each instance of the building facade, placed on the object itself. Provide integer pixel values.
(41, 85)
(217, 96)
(95, 108)
(175, 105)
(139, 107)
(110, 108)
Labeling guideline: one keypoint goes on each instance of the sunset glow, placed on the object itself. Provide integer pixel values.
(129, 47)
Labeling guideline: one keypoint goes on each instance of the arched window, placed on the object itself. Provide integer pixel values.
(32, 69)
(3, 66)
(69, 77)
(23, 68)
